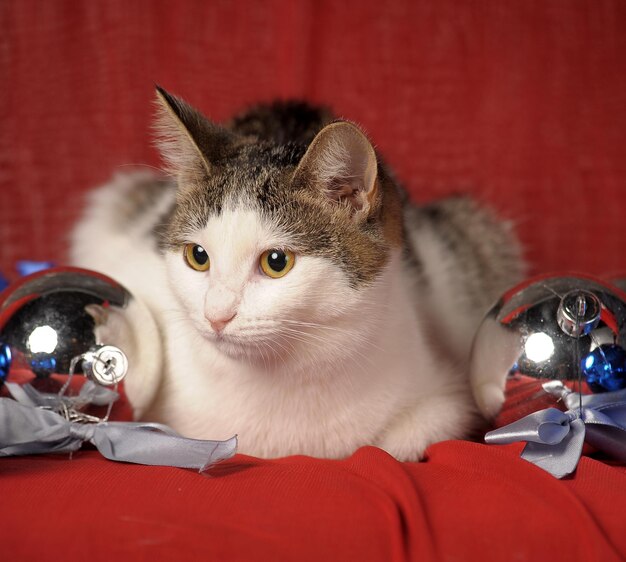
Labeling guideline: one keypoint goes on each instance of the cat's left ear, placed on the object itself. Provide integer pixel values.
(342, 164)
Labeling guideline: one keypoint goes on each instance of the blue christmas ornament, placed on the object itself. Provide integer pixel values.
(605, 368)
(28, 267)
(5, 361)
(3, 283)
(43, 365)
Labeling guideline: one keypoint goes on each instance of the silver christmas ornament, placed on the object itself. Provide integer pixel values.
(66, 320)
(554, 328)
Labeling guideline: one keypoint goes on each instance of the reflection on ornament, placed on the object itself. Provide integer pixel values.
(43, 339)
(551, 328)
(42, 365)
(28, 267)
(539, 347)
(5, 361)
(605, 368)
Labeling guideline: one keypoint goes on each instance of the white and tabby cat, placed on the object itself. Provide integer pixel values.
(305, 305)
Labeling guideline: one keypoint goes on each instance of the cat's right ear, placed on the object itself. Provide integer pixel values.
(187, 140)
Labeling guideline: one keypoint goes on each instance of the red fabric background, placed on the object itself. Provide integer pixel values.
(522, 103)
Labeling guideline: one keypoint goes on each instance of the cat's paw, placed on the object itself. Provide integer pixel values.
(435, 418)
(489, 398)
(407, 438)
(490, 365)
(403, 449)
(133, 330)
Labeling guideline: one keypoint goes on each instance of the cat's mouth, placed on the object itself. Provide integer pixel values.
(272, 342)
(256, 352)
(252, 348)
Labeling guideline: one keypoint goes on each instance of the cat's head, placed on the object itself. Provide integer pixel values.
(275, 250)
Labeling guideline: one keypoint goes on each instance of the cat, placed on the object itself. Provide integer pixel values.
(304, 303)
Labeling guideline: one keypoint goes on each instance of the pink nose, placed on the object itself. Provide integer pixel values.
(219, 324)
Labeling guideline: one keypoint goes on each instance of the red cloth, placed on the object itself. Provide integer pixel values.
(522, 104)
(466, 502)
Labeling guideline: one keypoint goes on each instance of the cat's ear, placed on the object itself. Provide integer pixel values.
(342, 164)
(188, 141)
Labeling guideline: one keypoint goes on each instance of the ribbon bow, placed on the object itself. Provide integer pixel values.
(555, 438)
(26, 429)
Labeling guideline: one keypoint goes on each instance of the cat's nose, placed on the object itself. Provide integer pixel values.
(220, 323)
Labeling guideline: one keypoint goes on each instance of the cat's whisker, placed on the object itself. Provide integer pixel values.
(306, 353)
(297, 337)
(317, 325)
(266, 359)
(338, 362)
(286, 350)
(258, 348)
(327, 345)
(351, 334)
(292, 358)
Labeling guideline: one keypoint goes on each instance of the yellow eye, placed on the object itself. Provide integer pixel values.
(196, 257)
(277, 263)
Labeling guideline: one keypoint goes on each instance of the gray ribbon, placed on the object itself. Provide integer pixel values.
(26, 429)
(555, 439)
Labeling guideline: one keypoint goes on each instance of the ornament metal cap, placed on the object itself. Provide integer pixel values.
(105, 364)
(578, 313)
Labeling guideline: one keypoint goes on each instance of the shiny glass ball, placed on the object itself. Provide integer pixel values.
(553, 328)
(63, 319)
(49, 318)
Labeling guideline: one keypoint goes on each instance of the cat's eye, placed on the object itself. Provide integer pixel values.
(196, 257)
(277, 263)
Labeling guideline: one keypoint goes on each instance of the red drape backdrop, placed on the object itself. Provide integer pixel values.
(522, 103)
